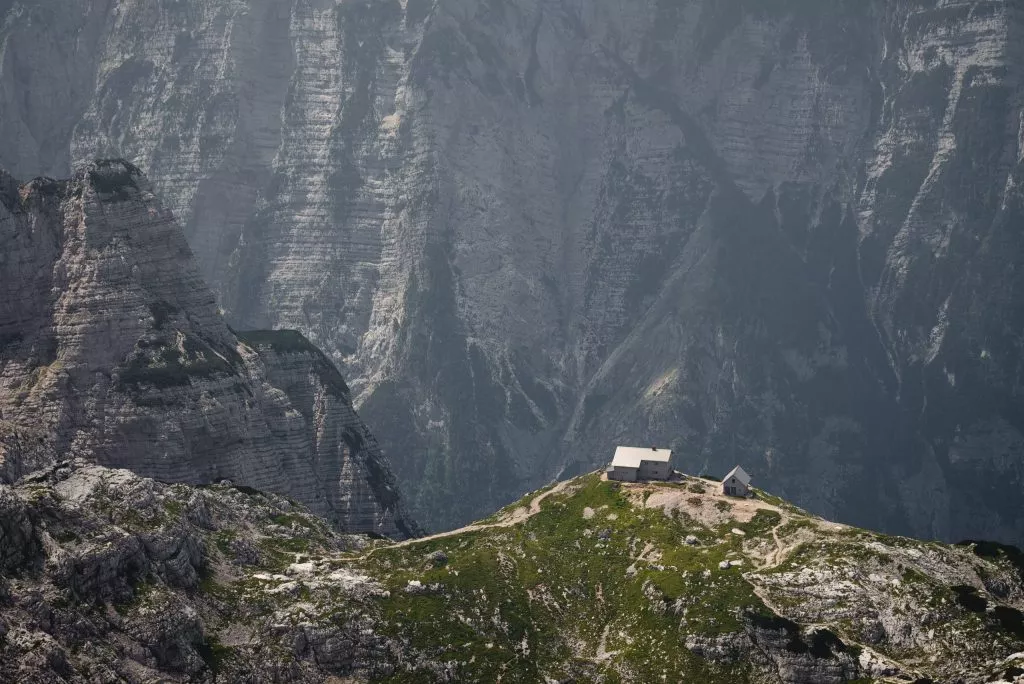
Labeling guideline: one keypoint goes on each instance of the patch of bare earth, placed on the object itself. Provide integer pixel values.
(701, 500)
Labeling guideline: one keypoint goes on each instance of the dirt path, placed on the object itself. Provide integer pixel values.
(517, 516)
(514, 518)
(778, 556)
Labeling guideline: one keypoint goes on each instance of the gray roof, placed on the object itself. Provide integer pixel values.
(630, 457)
(740, 474)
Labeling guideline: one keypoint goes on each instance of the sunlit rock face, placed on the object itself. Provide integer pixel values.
(114, 351)
(778, 233)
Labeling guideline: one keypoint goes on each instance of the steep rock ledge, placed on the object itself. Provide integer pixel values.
(114, 351)
(782, 232)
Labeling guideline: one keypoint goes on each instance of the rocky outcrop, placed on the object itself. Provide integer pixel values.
(114, 351)
(361, 489)
(779, 233)
(121, 578)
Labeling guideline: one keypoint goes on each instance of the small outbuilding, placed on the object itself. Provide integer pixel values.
(736, 483)
(638, 463)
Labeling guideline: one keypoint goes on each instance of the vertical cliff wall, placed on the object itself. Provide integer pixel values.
(778, 233)
(113, 349)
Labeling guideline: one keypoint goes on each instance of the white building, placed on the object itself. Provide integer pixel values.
(736, 483)
(638, 463)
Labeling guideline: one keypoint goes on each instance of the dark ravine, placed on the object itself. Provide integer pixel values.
(777, 232)
(114, 351)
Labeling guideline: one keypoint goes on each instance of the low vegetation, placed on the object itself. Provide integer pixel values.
(586, 581)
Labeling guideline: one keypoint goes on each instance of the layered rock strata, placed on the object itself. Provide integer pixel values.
(114, 350)
(780, 233)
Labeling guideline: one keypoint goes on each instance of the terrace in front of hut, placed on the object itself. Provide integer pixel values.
(637, 464)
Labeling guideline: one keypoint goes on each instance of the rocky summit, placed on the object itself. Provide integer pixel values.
(112, 349)
(777, 231)
(109, 576)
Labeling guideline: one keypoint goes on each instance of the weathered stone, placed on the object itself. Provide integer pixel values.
(531, 232)
(18, 543)
(115, 351)
(110, 585)
(437, 559)
(244, 552)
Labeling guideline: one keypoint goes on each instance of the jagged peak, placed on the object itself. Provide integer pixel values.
(111, 179)
(116, 177)
(117, 310)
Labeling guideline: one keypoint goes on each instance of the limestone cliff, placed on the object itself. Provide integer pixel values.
(781, 232)
(113, 350)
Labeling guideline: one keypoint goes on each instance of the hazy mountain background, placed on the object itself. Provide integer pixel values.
(784, 233)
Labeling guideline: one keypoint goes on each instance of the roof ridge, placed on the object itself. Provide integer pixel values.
(739, 472)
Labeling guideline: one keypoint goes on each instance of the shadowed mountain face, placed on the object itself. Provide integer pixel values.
(113, 350)
(779, 233)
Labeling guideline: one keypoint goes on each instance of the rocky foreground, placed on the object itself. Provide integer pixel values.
(108, 576)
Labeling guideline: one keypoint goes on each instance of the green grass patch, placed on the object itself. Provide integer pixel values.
(514, 603)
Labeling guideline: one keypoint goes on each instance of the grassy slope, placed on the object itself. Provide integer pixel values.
(549, 597)
(595, 582)
(538, 596)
